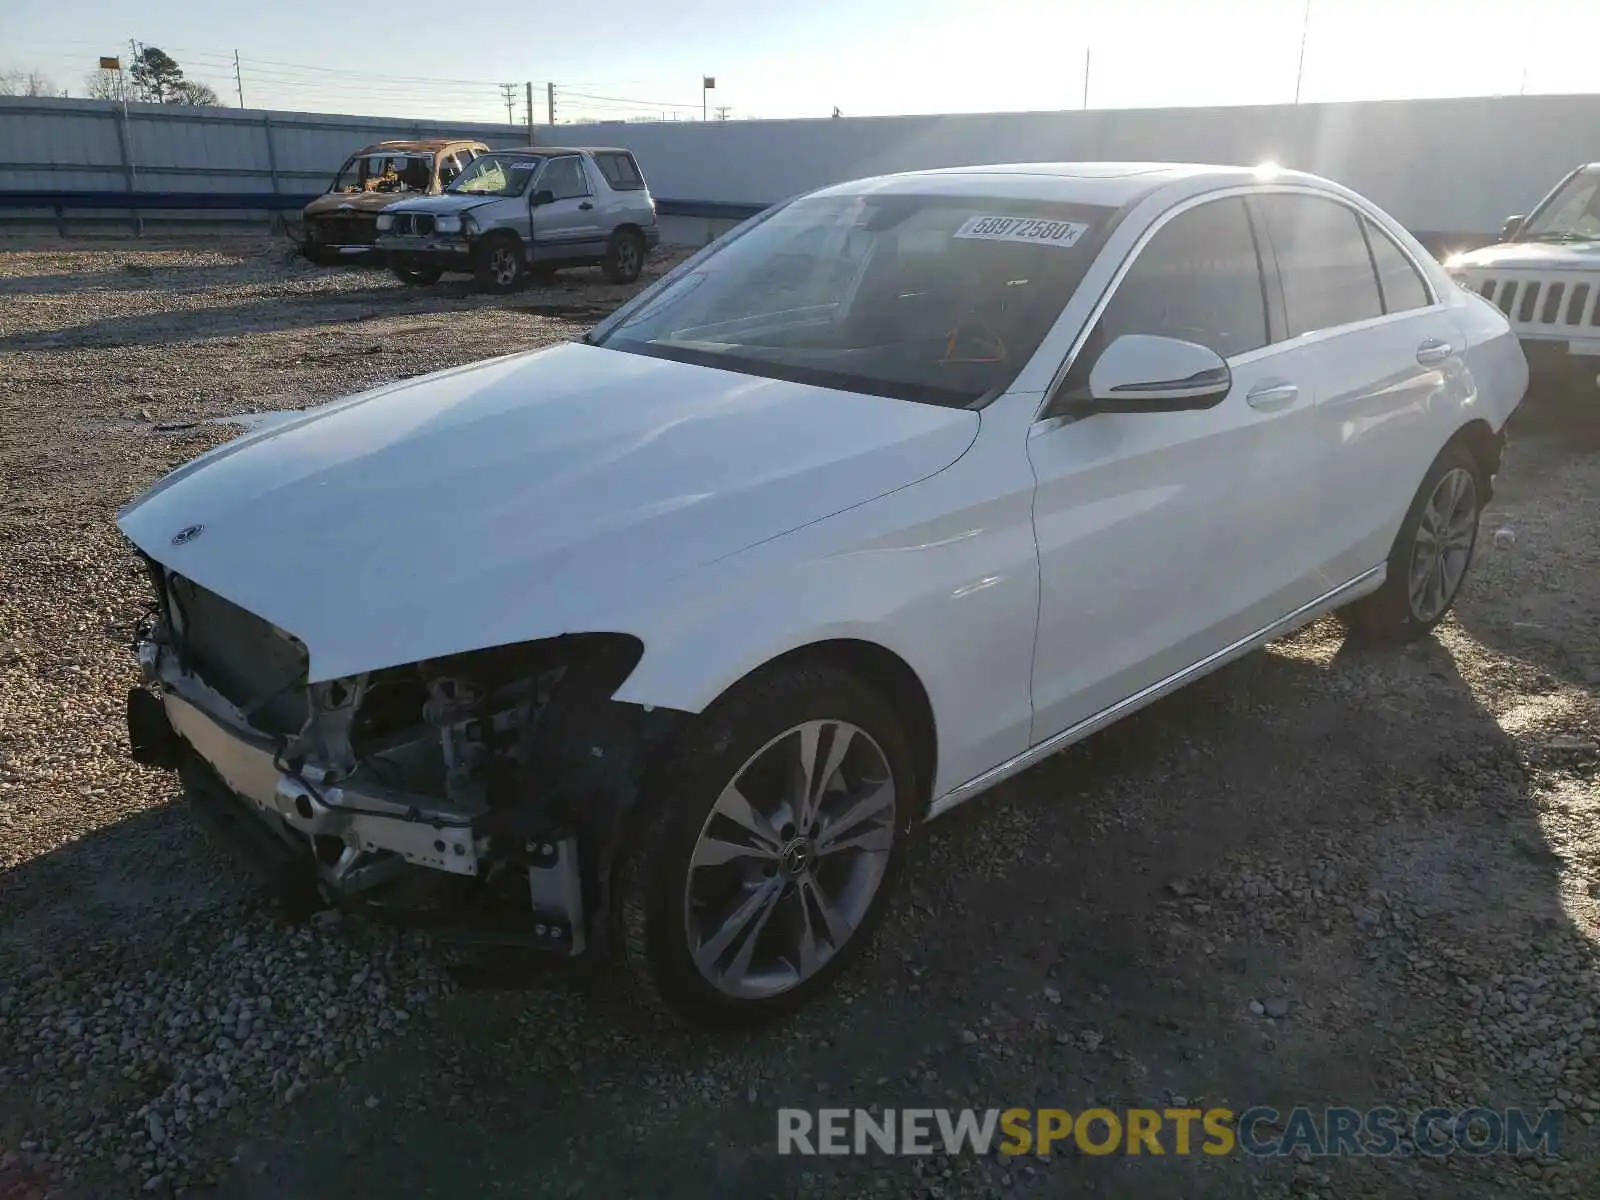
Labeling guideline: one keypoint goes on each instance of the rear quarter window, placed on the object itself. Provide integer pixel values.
(621, 172)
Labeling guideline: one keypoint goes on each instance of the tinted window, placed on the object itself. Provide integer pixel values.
(1323, 262)
(1403, 289)
(1197, 279)
(621, 172)
(563, 178)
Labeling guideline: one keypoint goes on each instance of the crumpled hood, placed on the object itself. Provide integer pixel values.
(521, 497)
(363, 202)
(448, 202)
(1545, 256)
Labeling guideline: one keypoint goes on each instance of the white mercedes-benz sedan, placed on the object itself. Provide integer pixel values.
(662, 643)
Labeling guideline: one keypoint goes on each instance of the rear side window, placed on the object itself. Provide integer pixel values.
(1327, 274)
(1402, 287)
(621, 172)
(1198, 279)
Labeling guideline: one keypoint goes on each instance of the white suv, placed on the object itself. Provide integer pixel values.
(1544, 275)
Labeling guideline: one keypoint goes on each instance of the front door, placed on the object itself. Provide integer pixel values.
(1165, 538)
(569, 226)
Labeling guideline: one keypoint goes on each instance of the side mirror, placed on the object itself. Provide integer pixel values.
(542, 196)
(1511, 228)
(1141, 373)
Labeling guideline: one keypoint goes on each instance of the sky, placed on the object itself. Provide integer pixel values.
(645, 58)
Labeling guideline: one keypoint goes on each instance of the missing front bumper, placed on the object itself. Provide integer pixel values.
(356, 849)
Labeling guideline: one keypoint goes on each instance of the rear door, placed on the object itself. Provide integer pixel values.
(1385, 353)
(1164, 538)
(569, 226)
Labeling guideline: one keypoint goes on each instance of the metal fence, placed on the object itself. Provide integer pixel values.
(99, 145)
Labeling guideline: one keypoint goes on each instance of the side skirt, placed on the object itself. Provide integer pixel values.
(1361, 585)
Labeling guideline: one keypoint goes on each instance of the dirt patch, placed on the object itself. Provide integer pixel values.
(1321, 876)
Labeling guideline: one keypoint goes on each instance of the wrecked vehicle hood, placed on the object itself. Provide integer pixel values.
(520, 498)
(358, 201)
(448, 202)
(1548, 256)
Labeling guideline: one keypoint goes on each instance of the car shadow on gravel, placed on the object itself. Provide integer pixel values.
(1092, 933)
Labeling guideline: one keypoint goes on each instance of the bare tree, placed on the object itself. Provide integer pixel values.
(191, 91)
(106, 85)
(26, 83)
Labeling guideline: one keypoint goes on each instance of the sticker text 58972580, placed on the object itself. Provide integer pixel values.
(985, 227)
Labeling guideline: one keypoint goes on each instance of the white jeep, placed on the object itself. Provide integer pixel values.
(1544, 274)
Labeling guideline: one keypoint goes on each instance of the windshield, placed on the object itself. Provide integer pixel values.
(392, 172)
(496, 175)
(1572, 214)
(937, 299)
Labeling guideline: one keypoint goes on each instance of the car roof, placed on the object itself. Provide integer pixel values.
(561, 150)
(418, 145)
(1112, 184)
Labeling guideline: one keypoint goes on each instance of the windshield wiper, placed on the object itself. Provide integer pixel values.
(1563, 236)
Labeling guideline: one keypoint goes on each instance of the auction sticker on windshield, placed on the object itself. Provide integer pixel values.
(985, 227)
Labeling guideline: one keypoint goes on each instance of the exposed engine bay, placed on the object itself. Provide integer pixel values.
(484, 794)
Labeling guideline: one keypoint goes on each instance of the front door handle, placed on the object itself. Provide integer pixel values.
(586, 206)
(1270, 397)
(1433, 352)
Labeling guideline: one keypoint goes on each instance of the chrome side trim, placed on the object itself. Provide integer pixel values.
(1129, 704)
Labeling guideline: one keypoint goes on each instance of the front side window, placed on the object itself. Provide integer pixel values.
(563, 178)
(496, 175)
(1572, 214)
(1198, 280)
(1327, 273)
(1402, 287)
(940, 299)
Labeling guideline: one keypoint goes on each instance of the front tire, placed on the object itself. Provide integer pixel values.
(782, 826)
(625, 254)
(1430, 556)
(498, 263)
(412, 275)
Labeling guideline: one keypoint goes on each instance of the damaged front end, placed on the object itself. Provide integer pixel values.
(483, 795)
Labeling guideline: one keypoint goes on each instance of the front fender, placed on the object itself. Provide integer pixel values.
(943, 574)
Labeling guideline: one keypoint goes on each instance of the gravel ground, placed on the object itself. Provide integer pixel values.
(1321, 876)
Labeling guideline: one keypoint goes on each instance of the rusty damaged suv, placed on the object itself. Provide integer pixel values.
(343, 221)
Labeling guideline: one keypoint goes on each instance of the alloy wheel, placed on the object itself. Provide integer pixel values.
(1443, 544)
(627, 257)
(789, 859)
(503, 266)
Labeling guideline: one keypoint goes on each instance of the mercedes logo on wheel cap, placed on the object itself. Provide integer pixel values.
(184, 536)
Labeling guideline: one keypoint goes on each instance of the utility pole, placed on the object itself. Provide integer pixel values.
(550, 101)
(238, 78)
(1305, 26)
(527, 95)
(508, 93)
(722, 111)
(1087, 51)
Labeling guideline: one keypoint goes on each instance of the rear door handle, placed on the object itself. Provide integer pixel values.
(1269, 397)
(1433, 352)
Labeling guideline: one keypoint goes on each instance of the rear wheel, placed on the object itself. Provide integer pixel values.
(497, 263)
(783, 824)
(624, 256)
(1430, 556)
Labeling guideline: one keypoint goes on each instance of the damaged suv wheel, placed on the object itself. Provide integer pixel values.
(782, 825)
